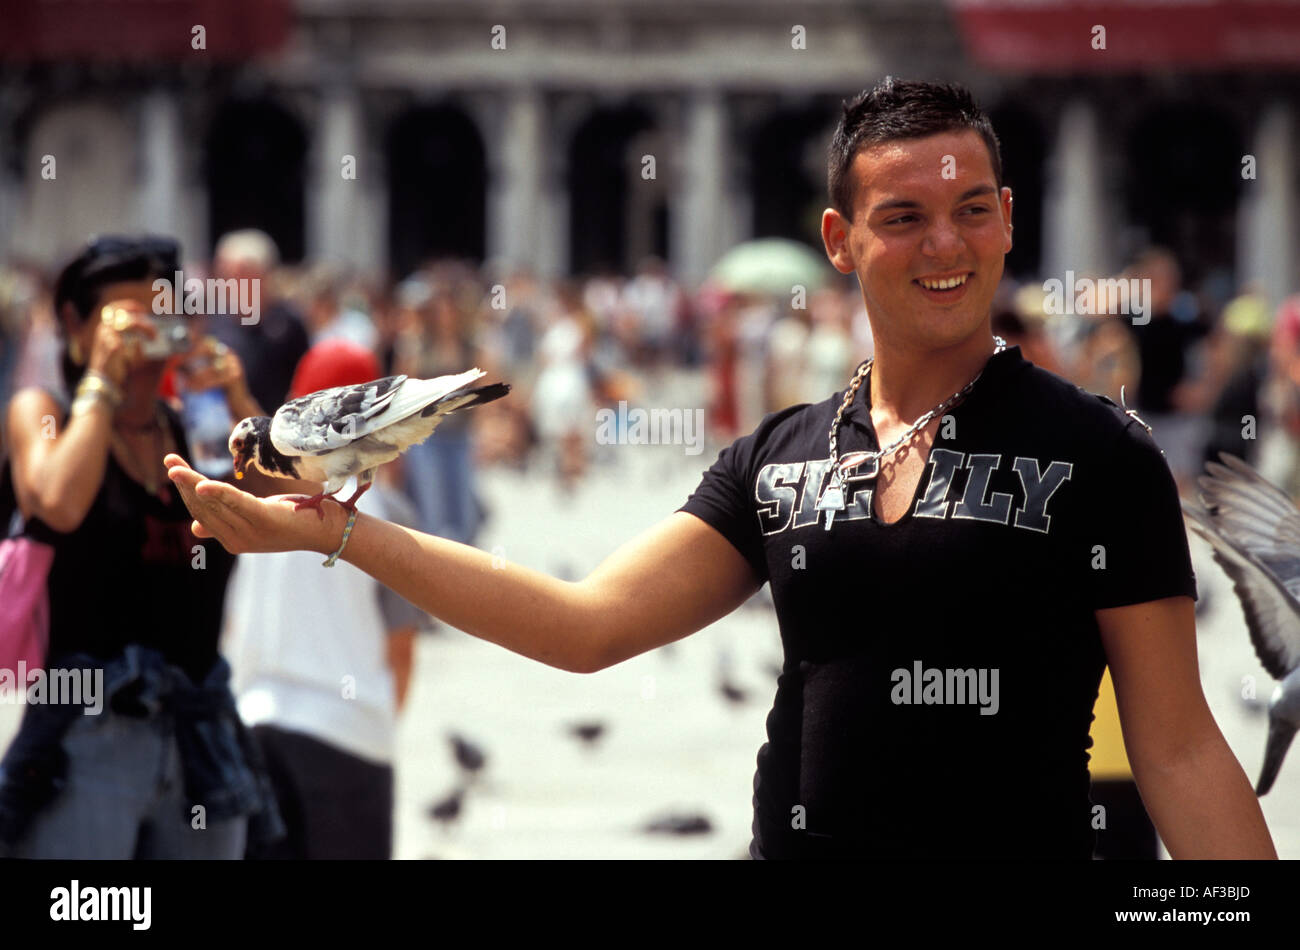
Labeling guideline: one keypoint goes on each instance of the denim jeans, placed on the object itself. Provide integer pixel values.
(440, 480)
(125, 798)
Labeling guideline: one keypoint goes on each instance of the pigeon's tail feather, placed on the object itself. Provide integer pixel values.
(477, 397)
(1280, 734)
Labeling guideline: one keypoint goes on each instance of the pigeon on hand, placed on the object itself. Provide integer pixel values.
(332, 435)
(1254, 530)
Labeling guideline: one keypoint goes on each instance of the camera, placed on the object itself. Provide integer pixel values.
(173, 337)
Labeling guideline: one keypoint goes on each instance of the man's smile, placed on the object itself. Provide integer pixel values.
(945, 287)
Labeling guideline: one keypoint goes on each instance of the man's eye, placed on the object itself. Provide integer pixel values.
(980, 208)
(901, 219)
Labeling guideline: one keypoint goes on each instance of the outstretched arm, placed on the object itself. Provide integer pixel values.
(676, 578)
(1193, 786)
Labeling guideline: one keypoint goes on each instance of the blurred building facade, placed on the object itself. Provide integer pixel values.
(572, 136)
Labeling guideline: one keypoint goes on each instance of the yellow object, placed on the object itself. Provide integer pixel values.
(1108, 760)
(1248, 315)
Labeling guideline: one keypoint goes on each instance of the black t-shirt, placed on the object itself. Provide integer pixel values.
(130, 574)
(1163, 345)
(269, 349)
(1047, 503)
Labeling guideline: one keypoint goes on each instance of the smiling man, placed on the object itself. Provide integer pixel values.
(957, 543)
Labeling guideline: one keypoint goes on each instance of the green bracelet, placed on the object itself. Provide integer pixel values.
(352, 519)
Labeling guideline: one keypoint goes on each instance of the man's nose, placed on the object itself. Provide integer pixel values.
(942, 241)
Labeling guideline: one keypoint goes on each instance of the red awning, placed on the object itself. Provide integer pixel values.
(141, 30)
(1056, 36)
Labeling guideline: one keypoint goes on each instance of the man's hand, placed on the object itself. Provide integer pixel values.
(245, 524)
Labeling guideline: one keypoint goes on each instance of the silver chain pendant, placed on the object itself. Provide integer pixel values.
(832, 500)
(870, 469)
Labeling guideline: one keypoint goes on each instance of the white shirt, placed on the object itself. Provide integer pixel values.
(307, 647)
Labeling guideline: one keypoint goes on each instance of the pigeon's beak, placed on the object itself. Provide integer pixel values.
(241, 464)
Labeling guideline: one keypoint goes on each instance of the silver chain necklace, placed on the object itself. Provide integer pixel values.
(832, 499)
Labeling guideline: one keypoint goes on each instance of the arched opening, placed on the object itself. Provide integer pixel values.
(255, 171)
(604, 167)
(1024, 156)
(437, 179)
(787, 165)
(1184, 177)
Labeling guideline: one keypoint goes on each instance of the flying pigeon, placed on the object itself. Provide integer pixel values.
(332, 435)
(1254, 529)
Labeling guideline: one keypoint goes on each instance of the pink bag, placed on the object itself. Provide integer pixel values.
(24, 602)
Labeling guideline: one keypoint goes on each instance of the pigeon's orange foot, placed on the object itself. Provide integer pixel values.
(351, 503)
(313, 502)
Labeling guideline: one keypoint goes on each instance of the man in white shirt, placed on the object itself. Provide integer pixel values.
(319, 666)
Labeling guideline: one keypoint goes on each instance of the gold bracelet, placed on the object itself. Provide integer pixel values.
(84, 401)
(96, 382)
(352, 519)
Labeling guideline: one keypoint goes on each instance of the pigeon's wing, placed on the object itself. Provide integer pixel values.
(417, 394)
(1254, 531)
(332, 418)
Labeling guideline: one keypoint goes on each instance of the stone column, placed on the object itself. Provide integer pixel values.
(1075, 198)
(516, 234)
(699, 215)
(345, 213)
(1268, 245)
(159, 192)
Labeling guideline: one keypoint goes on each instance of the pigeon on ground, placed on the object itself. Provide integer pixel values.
(679, 823)
(448, 809)
(469, 757)
(730, 690)
(1254, 529)
(332, 435)
(588, 732)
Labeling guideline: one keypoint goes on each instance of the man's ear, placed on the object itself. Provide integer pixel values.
(835, 235)
(1006, 212)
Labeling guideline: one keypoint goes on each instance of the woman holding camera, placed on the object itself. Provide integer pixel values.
(152, 761)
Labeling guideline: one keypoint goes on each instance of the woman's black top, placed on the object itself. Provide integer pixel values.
(133, 572)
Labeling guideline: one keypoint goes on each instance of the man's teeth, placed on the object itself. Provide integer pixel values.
(946, 284)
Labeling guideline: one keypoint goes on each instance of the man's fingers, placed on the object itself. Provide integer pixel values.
(213, 516)
(233, 502)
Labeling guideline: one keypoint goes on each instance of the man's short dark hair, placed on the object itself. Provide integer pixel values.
(901, 109)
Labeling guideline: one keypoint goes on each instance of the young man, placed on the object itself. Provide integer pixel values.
(946, 619)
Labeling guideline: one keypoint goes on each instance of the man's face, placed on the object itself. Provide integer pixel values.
(926, 212)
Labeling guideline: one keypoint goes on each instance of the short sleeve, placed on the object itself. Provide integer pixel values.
(1132, 527)
(724, 501)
